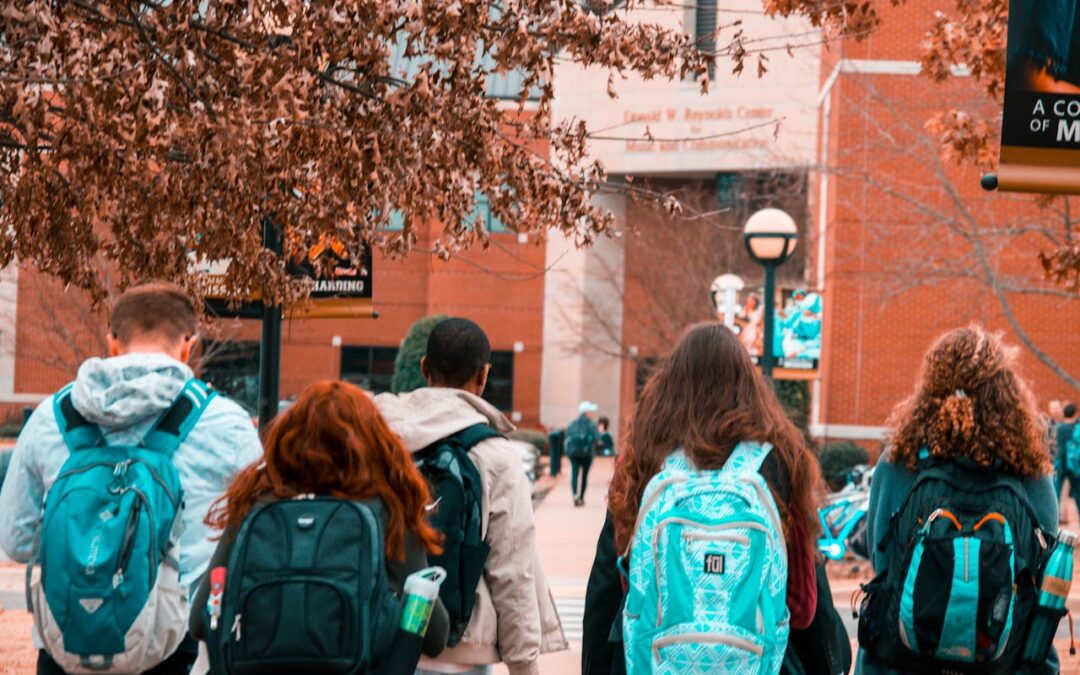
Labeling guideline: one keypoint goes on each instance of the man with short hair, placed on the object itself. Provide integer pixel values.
(152, 331)
(514, 618)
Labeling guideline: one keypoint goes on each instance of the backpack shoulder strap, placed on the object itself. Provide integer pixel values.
(470, 437)
(78, 433)
(173, 427)
(747, 458)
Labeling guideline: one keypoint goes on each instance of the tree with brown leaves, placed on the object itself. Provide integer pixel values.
(156, 135)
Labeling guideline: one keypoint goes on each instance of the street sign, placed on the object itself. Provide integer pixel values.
(346, 293)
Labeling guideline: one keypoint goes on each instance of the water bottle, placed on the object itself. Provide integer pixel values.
(421, 592)
(1056, 581)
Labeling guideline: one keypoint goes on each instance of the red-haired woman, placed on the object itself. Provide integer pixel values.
(333, 442)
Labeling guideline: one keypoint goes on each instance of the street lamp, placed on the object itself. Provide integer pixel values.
(770, 236)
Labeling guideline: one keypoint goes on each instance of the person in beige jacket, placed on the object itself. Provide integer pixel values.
(514, 619)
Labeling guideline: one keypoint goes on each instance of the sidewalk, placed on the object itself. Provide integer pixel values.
(566, 538)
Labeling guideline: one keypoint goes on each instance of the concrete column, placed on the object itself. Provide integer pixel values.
(583, 311)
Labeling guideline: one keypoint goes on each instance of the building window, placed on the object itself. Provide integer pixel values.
(500, 385)
(482, 214)
(232, 368)
(370, 368)
(705, 31)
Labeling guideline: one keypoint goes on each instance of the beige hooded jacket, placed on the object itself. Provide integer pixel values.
(514, 619)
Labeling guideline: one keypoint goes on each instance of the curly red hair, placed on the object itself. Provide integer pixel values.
(334, 442)
(969, 401)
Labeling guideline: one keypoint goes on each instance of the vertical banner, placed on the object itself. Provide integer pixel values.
(1040, 134)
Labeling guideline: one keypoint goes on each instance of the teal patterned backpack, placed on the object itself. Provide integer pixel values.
(708, 572)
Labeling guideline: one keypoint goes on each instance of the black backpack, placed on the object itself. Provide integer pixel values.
(960, 588)
(306, 591)
(580, 439)
(458, 514)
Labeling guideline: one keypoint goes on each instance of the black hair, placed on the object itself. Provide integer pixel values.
(457, 350)
(603, 422)
(1069, 411)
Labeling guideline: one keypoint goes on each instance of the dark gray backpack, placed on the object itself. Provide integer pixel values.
(306, 591)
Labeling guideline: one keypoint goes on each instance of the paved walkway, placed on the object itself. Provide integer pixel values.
(566, 538)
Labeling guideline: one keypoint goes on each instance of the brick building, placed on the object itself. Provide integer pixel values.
(501, 288)
(900, 245)
(910, 246)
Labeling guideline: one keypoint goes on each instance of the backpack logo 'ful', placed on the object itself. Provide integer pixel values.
(714, 563)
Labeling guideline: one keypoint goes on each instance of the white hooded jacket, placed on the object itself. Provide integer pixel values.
(514, 619)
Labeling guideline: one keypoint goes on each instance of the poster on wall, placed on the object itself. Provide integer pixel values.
(1040, 133)
(796, 328)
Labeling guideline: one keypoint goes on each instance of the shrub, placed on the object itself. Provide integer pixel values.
(837, 458)
(407, 373)
(537, 439)
(794, 395)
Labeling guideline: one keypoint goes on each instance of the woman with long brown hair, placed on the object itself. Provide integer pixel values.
(707, 402)
(333, 442)
(965, 460)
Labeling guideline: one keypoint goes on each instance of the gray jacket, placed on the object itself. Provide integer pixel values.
(124, 396)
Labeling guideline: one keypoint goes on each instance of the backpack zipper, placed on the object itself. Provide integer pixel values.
(737, 538)
(235, 630)
(708, 638)
(116, 467)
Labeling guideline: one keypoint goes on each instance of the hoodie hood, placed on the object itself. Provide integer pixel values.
(122, 391)
(427, 415)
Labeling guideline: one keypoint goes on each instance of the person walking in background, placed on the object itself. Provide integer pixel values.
(966, 469)
(581, 438)
(605, 445)
(555, 447)
(143, 403)
(713, 505)
(1067, 453)
(1054, 415)
(331, 443)
(514, 618)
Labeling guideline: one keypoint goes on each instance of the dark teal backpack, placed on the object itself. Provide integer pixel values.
(457, 491)
(105, 586)
(306, 591)
(580, 439)
(959, 591)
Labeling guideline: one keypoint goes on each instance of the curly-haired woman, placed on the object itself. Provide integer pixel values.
(969, 408)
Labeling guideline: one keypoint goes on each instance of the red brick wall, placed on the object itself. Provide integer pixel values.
(886, 201)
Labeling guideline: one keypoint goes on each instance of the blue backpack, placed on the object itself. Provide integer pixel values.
(104, 586)
(708, 571)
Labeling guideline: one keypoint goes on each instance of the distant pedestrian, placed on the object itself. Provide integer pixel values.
(1067, 451)
(605, 446)
(962, 516)
(1054, 417)
(556, 439)
(135, 446)
(514, 618)
(714, 510)
(581, 438)
(299, 532)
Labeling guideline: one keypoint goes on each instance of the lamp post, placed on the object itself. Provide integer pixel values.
(770, 236)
